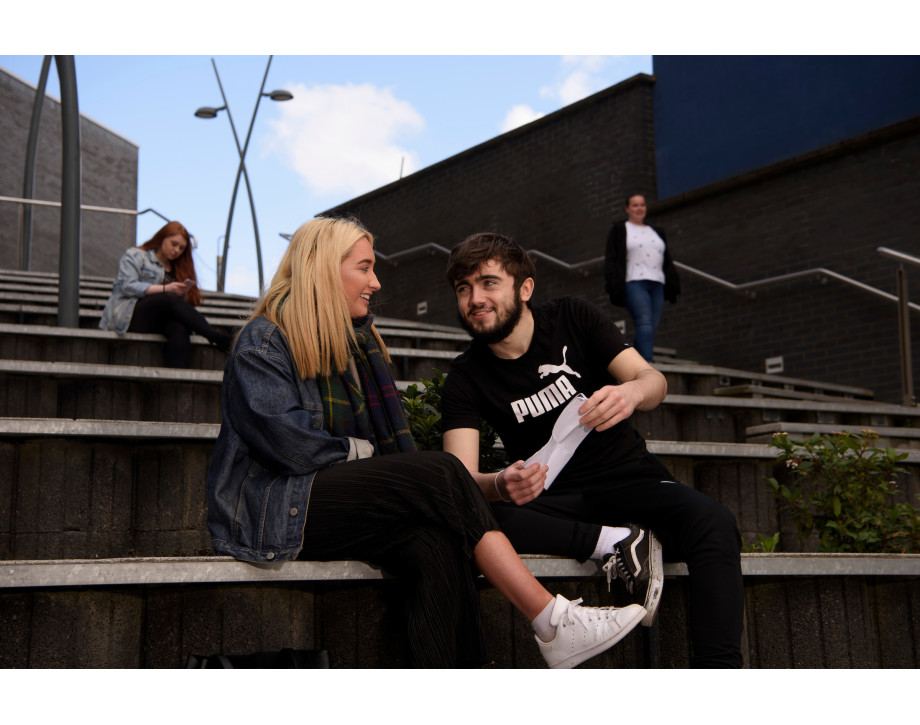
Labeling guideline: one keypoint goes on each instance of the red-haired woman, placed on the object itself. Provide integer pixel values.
(156, 290)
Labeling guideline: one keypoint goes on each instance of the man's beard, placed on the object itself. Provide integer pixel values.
(501, 330)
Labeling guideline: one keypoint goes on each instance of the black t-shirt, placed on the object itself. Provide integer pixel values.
(573, 343)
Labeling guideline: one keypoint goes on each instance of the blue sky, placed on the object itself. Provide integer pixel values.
(354, 123)
(378, 87)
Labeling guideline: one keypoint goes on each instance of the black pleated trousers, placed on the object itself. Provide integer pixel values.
(418, 516)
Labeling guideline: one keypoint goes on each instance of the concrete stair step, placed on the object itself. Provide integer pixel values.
(154, 612)
(721, 418)
(50, 343)
(700, 379)
(93, 488)
(81, 390)
(900, 438)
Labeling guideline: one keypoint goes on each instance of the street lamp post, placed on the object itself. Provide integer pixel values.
(210, 112)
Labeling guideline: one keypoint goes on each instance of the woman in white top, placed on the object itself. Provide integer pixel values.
(639, 273)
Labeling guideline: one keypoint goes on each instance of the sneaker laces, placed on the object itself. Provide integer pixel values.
(616, 566)
(576, 614)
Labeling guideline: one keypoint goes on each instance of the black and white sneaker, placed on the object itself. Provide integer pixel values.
(637, 562)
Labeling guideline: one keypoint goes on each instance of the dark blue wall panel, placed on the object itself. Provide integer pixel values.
(719, 116)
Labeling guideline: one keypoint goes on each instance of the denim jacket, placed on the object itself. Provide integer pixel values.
(137, 270)
(270, 446)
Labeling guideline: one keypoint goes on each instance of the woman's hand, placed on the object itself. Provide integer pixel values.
(519, 484)
(177, 288)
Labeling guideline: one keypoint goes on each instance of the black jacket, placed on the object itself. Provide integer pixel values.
(615, 267)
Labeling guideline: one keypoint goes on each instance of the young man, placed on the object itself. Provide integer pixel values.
(558, 383)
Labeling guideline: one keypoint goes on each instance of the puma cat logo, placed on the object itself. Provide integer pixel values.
(545, 370)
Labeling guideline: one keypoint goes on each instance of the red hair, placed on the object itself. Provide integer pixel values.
(183, 265)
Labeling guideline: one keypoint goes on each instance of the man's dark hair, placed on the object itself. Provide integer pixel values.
(477, 249)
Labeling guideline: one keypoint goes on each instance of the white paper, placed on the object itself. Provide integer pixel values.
(567, 435)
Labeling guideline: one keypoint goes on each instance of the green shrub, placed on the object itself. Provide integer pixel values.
(764, 544)
(842, 490)
(423, 410)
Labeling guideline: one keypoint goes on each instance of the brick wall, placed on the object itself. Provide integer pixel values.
(109, 174)
(558, 183)
(831, 209)
(549, 185)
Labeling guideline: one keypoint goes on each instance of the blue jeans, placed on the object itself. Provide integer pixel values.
(645, 301)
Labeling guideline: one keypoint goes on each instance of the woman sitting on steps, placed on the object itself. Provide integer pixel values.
(156, 290)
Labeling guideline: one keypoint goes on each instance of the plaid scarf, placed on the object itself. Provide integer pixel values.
(376, 414)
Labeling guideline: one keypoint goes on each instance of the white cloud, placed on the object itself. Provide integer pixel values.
(518, 116)
(580, 77)
(345, 139)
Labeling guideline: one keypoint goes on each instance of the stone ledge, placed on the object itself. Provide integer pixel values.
(224, 569)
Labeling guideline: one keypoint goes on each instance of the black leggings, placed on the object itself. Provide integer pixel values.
(172, 316)
(566, 521)
(419, 516)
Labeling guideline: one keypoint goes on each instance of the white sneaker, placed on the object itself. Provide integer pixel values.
(582, 632)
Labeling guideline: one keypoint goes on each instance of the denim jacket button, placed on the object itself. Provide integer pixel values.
(270, 555)
(293, 512)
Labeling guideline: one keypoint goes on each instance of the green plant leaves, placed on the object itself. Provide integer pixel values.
(423, 411)
(842, 488)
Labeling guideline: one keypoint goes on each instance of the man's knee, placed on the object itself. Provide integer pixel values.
(722, 527)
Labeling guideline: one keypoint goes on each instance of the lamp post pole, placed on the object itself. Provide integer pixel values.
(207, 112)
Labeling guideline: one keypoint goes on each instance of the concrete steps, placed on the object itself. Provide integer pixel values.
(103, 460)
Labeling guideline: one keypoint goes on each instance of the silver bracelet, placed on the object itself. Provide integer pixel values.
(497, 489)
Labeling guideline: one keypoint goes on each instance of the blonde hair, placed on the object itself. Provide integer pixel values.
(306, 298)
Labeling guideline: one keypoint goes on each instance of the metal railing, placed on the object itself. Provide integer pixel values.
(747, 288)
(905, 306)
(84, 207)
(68, 303)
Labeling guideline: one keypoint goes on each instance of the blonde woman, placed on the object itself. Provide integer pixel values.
(312, 419)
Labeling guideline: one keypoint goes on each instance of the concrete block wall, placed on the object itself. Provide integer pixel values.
(109, 179)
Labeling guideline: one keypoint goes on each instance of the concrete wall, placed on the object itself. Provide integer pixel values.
(109, 172)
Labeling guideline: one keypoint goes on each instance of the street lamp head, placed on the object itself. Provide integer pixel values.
(208, 112)
(280, 95)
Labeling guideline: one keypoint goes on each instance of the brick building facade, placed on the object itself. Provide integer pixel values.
(109, 179)
(557, 184)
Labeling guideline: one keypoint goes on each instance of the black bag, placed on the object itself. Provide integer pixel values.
(286, 659)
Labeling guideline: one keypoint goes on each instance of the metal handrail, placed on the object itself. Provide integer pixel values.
(899, 256)
(86, 207)
(750, 287)
(746, 288)
(37, 202)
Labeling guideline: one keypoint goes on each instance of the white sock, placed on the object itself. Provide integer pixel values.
(542, 626)
(610, 536)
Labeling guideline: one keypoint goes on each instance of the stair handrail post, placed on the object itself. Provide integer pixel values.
(69, 290)
(907, 378)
